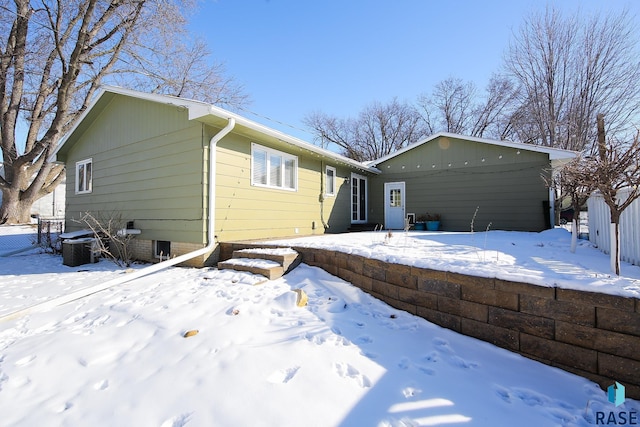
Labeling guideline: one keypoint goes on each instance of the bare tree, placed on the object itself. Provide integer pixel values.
(615, 167)
(569, 69)
(182, 69)
(112, 240)
(492, 116)
(456, 106)
(54, 54)
(572, 181)
(449, 107)
(380, 129)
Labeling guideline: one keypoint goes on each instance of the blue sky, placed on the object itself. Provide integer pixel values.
(337, 56)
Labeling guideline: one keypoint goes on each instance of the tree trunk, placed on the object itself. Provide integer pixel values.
(13, 209)
(614, 241)
(574, 234)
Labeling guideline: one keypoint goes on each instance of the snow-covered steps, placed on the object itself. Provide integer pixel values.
(269, 262)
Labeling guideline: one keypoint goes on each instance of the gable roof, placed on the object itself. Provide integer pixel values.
(203, 112)
(555, 154)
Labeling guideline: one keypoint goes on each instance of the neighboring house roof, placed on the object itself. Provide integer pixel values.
(556, 155)
(206, 113)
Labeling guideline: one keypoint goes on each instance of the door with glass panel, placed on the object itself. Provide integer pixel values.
(358, 199)
(394, 205)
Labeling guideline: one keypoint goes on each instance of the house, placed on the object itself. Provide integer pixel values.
(497, 184)
(163, 163)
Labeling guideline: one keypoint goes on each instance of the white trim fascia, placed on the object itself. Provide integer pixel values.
(243, 121)
(198, 110)
(63, 140)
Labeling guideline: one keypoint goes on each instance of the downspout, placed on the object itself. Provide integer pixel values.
(55, 302)
(323, 185)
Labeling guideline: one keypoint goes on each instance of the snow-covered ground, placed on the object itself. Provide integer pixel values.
(538, 258)
(119, 357)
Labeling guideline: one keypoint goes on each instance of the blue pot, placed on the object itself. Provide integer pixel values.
(433, 225)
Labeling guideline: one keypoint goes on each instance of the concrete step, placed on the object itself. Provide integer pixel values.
(272, 263)
(269, 269)
(286, 257)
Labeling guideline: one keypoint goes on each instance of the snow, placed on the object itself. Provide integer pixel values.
(253, 262)
(119, 357)
(269, 251)
(538, 258)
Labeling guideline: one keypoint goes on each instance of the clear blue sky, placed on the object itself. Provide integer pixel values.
(337, 56)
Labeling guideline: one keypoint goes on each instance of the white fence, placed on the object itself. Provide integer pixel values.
(599, 229)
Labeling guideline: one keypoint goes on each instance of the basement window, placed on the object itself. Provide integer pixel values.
(84, 178)
(162, 249)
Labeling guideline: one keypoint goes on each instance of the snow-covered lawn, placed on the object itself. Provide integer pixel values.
(538, 258)
(119, 357)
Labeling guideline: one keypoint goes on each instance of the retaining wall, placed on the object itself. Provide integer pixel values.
(590, 334)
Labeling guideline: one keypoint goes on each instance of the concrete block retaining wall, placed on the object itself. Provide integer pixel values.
(590, 334)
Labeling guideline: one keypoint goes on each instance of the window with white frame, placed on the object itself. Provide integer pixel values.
(272, 168)
(84, 176)
(330, 181)
(162, 249)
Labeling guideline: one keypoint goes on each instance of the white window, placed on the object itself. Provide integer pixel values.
(272, 168)
(83, 176)
(330, 181)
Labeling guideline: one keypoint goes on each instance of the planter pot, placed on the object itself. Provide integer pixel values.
(420, 226)
(433, 225)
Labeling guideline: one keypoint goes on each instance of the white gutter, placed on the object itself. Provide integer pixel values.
(55, 302)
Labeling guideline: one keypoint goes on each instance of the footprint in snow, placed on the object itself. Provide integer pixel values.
(177, 421)
(370, 355)
(60, 407)
(25, 360)
(461, 363)
(365, 339)
(530, 397)
(101, 385)
(337, 305)
(404, 363)
(283, 376)
(98, 321)
(345, 370)
(410, 392)
(316, 339)
(503, 394)
(443, 346)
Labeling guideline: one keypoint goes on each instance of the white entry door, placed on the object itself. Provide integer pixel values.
(394, 205)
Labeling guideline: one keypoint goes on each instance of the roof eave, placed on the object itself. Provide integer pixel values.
(199, 110)
(555, 154)
(243, 121)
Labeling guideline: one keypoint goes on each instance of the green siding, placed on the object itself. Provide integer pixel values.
(150, 165)
(453, 177)
(244, 211)
(147, 166)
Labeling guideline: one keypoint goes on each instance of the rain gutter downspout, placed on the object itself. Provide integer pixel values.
(55, 302)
